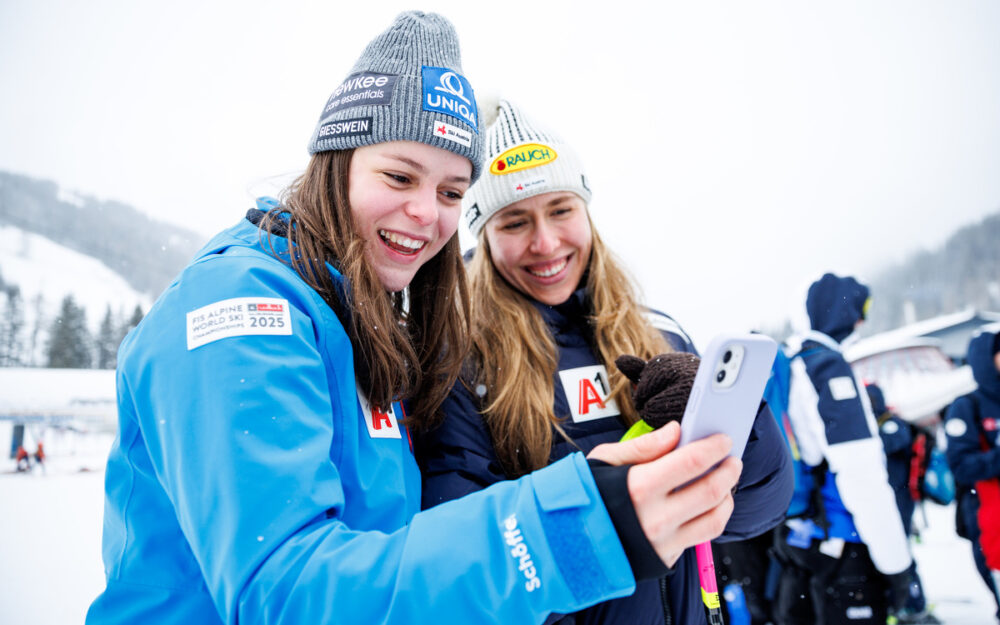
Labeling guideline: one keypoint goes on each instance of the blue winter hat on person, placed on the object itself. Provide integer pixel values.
(836, 304)
(982, 351)
(406, 86)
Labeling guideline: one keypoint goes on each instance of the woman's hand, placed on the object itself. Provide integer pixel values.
(674, 521)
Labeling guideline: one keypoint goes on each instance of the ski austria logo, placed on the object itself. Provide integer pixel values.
(522, 157)
(519, 551)
(588, 392)
(452, 133)
(450, 93)
(529, 186)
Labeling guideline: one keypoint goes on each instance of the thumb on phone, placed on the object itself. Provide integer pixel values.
(639, 450)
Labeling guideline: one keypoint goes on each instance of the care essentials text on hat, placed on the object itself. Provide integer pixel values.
(524, 161)
(406, 86)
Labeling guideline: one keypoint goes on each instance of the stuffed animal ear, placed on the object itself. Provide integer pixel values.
(631, 366)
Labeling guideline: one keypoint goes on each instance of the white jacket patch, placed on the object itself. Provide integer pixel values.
(588, 392)
(381, 424)
(843, 388)
(238, 316)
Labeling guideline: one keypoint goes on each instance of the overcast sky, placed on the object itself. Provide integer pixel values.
(737, 149)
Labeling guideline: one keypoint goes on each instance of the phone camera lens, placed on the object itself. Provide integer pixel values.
(720, 376)
(727, 356)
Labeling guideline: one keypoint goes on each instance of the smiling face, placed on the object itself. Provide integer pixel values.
(541, 245)
(406, 198)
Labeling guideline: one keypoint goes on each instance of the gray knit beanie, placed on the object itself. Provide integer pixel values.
(407, 86)
(523, 161)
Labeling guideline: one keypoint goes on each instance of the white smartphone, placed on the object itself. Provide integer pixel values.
(728, 388)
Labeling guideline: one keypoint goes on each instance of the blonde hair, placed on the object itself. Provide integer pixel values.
(407, 345)
(515, 359)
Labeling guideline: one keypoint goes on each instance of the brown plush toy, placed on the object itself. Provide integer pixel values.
(660, 386)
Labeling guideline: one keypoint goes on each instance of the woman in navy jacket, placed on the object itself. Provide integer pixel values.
(973, 428)
(551, 310)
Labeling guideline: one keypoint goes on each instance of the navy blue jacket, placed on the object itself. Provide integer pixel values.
(972, 422)
(897, 439)
(458, 458)
(976, 415)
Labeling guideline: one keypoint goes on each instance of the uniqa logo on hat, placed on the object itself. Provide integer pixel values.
(448, 92)
(522, 157)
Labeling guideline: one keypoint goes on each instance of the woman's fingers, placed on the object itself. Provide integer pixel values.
(674, 520)
(639, 450)
(670, 471)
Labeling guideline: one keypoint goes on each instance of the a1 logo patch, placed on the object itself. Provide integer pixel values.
(588, 392)
(381, 424)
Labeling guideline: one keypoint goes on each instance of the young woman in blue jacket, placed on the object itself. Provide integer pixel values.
(263, 470)
(551, 310)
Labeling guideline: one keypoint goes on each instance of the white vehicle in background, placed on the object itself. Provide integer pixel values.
(918, 379)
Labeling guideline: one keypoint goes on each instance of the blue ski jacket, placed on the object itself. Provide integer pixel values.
(250, 482)
(458, 458)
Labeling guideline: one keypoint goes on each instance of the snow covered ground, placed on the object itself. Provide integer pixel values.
(50, 545)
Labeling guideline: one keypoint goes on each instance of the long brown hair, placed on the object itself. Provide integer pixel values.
(407, 345)
(515, 360)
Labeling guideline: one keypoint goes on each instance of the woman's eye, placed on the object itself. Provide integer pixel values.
(562, 212)
(400, 178)
(513, 225)
(452, 195)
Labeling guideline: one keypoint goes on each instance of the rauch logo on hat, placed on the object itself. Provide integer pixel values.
(448, 92)
(522, 157)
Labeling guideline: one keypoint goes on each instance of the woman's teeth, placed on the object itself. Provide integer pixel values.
(400, 241)
(551, 270)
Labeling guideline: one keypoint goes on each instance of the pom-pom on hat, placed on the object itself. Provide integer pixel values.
(522, 160)
(407, 86)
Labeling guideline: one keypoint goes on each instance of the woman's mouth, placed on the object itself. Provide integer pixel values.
(549, 269)
(401, 243)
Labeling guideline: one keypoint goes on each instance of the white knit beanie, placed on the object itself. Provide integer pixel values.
(522, 161)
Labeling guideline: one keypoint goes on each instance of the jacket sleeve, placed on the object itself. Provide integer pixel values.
(457, 458)
(968, 461)
(246, 436)
(895, 435)
(766, 484)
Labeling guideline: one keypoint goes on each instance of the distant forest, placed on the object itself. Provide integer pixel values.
(147, 253)
(962, 273)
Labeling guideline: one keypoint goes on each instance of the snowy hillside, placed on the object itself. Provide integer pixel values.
(45, 272)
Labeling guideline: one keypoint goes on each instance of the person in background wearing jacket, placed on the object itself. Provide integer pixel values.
(972, 425)
(263, 471)
(897, 440)
(832, 556)
(551, 310)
